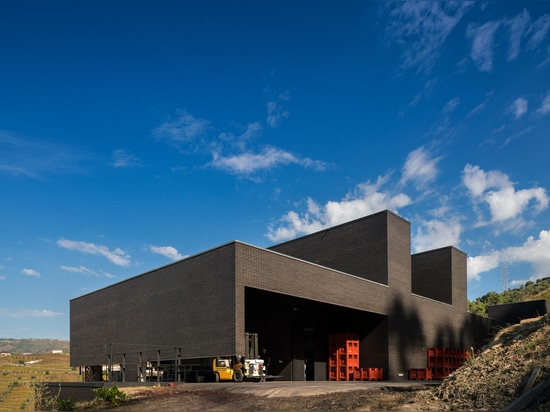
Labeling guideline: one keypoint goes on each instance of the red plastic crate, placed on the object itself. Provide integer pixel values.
(352, 360)
(352, 346)
(420, 374)
(345, 373)
(360, 374)
(441, 373)
(375, 374)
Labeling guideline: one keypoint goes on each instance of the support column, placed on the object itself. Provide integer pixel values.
(158, 366)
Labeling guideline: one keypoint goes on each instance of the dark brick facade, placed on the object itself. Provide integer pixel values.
(338, 248)
(357, 277)
(514, 312)
(436, 275)
(187, 305)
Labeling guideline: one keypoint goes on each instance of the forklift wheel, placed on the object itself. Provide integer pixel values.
(237, 375)
(216, 377)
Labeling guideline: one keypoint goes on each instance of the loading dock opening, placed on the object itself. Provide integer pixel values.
(295, 332)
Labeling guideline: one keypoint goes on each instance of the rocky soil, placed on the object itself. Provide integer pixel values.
(498, 375)
(489, 381)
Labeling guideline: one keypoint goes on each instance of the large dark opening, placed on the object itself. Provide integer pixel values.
(295, 332)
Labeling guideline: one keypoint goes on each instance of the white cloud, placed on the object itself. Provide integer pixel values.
(534, 251)
(275, 111)
(168, 251)
(422, 27)
(29, 313)
(123, 159)
(451, 105)
(507, 203)
(517, 27)
(248, 162)
(519, 107)
(481, 106)
(519, 134)
(2, 277)
(483, 263)
(366, 199)
(117, 256)
(234, 153)
(537, 32)
(31, 272)
(494, 189)
(420, 167)
(484, 38)
(477, 181)
(545, 105)
(184, 128)
(434, 234)
(86, 271)
(240, 142)
(482, 43)
(34, 159)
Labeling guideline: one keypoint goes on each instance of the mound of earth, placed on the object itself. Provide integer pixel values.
(498, 375)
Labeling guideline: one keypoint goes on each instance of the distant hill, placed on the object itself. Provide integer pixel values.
(33, 345)
(531, 291)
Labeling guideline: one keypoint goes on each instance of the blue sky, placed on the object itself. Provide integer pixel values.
(136, 133)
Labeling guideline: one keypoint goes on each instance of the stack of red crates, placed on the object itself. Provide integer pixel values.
(443, 361)
(343, 356)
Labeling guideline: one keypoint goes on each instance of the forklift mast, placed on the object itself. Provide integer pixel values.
(252, 349)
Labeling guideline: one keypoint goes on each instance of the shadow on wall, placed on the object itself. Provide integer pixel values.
(478, 331)
(465, 331)
(407, 335)
(460, 334)
(446, 337)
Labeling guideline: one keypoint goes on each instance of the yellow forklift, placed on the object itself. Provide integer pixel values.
(235, 368)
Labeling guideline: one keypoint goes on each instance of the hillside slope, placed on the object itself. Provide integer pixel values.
(33, 345)
(530, 291)
(497, 376)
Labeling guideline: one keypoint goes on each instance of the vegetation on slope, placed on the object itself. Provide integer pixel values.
(33, 346)
(19, 374)
(531, 291)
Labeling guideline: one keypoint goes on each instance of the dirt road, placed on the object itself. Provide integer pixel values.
(282, 396)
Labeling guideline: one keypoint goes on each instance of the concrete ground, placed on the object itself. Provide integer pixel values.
(289, 389)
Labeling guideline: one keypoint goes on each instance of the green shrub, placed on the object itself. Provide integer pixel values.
(112, 395)
(65, 405)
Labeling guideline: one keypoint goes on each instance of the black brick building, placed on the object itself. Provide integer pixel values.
(358, 277)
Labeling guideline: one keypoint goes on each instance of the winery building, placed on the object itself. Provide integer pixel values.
(358, 277)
